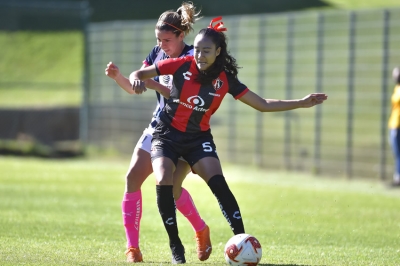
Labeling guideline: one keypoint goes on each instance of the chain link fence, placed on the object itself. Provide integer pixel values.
(346, 54)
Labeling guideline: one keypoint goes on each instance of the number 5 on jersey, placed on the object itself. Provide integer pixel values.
(207, 147)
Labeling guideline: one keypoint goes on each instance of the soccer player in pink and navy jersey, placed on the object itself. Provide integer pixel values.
(171, 29)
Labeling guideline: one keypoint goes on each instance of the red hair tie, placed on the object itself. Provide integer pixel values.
(217, 27)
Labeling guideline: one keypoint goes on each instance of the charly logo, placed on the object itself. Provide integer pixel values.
(187, 75)
(236, 215)
(170, 221)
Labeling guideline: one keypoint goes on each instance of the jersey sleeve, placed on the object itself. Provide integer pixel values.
(171, 65)
(236, 88)
(152, 56)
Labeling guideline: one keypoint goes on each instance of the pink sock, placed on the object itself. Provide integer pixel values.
(131, 215)
(186, 206)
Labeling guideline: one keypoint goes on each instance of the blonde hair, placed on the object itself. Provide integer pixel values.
(178, 21)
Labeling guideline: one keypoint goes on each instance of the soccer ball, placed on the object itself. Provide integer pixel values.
(243, 249)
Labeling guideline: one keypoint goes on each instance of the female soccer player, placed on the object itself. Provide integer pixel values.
(171, 29)
(183, 129)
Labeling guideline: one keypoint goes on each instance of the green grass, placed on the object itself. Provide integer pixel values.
(40, 68)
(67, 212)
(352, 4)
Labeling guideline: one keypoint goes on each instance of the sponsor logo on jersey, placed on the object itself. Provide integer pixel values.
(194, 103)
(214, 94)
(166, 80)
(196, 100)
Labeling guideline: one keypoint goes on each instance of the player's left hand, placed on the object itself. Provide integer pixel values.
(313, 99)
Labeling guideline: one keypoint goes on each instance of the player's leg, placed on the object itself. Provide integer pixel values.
(163, 170)
(209, 168)
(165, 150)
(204, 161)
(183, 200)
(184, 203)
(139, 169)
(395, 143)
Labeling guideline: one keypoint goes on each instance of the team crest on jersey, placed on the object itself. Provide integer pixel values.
(166, 80)
(217, 84)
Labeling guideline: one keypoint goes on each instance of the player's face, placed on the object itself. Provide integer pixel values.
(205, 52)
(169, 42)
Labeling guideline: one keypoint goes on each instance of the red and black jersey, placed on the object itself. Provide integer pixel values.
(191, 104)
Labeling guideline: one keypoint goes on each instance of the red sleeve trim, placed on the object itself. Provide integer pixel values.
(242, 93)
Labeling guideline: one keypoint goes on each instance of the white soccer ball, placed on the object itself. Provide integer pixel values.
(243, 249)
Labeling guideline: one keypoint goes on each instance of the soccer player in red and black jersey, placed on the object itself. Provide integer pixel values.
(201, 82)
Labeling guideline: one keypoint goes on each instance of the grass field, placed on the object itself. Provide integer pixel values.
(67, 212)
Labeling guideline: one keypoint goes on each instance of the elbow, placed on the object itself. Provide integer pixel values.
(135, 75)
(260, 109)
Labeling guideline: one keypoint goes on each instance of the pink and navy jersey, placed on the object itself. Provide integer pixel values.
(157, 54)
(191, 104)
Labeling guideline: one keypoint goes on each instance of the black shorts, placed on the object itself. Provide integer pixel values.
(172, 143)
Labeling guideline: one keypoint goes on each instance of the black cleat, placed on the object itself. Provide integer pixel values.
(178, 254)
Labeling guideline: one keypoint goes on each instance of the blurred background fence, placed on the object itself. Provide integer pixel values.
(40, 76)
(347, 54)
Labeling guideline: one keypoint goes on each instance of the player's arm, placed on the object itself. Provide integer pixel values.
(154, 85)
(113, 72)
(274, 105)
(138, 77)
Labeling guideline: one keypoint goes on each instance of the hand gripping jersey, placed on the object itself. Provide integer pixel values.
(191, 104)
(156, 55)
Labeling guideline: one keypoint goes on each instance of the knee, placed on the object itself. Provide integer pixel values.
(177, 192)
(217, 182)
(164, 178)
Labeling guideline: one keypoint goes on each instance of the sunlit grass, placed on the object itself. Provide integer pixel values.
(67, 212)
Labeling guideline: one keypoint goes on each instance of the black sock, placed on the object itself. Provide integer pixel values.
(167, 209)
(227, 203)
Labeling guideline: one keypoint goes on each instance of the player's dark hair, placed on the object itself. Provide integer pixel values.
(223, 62)
(178, 21)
